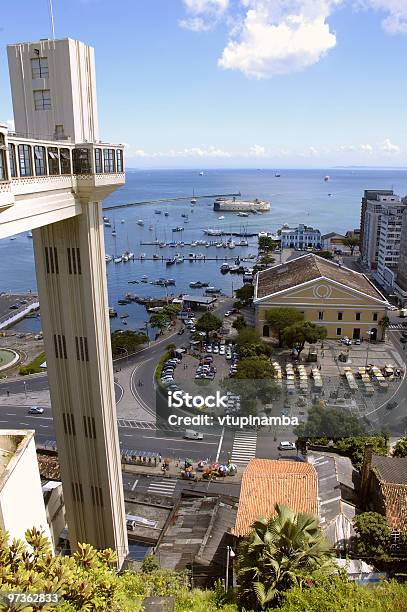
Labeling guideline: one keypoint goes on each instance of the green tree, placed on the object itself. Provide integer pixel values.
(400, 450)
(384, 324)
(331, 423)
(281, 318)
(239, 322)
(282, 552)
(373, 536)
(172, 310)
(296, 335)
(266, 259)
(333, 593)
(247, 335)
(123, 341)
(266, 243)
(245, 293)
(351, 242)
(254, 368)
(207, 323)
(159, 320)
(354, 446)
(325, 254)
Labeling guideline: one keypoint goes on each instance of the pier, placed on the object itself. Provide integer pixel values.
(183, 199)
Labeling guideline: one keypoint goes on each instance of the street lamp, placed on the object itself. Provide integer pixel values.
(25, 388)
(230, 555)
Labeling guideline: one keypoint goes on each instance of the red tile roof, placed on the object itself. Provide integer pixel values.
(266, 482)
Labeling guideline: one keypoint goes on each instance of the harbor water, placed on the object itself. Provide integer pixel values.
(297, 196)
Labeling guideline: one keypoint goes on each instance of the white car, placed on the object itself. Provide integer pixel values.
(216, 349)
(222, 350)
(286, 446)
(36, 410)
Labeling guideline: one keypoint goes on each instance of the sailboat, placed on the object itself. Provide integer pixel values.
(201, 174)
(193, 199)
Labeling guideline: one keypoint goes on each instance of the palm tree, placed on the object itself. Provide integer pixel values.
(279, 553)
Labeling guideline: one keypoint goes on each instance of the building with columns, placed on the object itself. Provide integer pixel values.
(54, 174)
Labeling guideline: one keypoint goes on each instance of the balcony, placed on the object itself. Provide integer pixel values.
(33, 166)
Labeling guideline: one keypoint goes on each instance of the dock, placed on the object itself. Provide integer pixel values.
(183, 199)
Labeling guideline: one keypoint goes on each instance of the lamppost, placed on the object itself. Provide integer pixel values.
(25, 388)
(230, 555)
(369, 334)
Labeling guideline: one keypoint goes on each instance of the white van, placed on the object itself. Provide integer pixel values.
(190, 434)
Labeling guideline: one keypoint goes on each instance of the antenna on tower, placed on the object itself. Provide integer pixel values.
(51, 16)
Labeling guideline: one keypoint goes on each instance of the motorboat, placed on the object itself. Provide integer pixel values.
(108, 258)
(170, 262)
(327, 178)
(118, 260)
(166, 214)
(221, 218)
(144, 279)
(243, 242)
(142, 256)
(29, 234)
(224, 268)
(179, 228)
(140, 222)
(242, 214)
(105, 219)
(113, 232)
(201, 174)
(277, 174)
(156, 256)
(157, 211)
(122, 221)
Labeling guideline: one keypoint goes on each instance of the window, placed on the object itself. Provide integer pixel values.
(12, 157)
(3, 164)
(42, 99)
(340, 316)
(39, 68)
(108, 159)
(375, 316)
(53, 160)
(39, 160)
(98, 161)
(119, 164)
(357, 316)
(321, 315)
(339, 331)
(65, 159)
(81, 161)
(24, 157)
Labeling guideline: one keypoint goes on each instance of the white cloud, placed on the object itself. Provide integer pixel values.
(258, 151)
(280, 36)
(191, 152)
(396, 10)
(195, 24)
(199, 7)
(363, 148)
(388, 147)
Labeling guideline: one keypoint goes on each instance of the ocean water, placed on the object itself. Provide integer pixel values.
(298, 196)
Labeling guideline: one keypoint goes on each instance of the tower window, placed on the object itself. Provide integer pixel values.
(12, 157)
(340, 315)
(3, 166)
(53, 160)
(119, 160)
(39, 160)
(24, 156)
(109, 160)
(375, 316)
(357, 316)
(65, 158)
(39, 68)
(321, 315)
(98, 161)
(42, 99)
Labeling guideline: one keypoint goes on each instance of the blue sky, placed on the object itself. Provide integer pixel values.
(238, 83)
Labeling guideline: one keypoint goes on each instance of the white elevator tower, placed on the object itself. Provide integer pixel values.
(54, 174)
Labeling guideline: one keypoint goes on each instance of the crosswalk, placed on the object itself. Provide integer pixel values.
(163, 487)
(400, 326)
(244, 447)
(149, 425)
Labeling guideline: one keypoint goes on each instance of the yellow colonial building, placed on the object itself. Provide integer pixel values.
(345, 302)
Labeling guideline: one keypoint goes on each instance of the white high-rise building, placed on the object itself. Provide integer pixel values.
(380, 249)
(54, 174)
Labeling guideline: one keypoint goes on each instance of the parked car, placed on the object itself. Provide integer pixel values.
(286, 446)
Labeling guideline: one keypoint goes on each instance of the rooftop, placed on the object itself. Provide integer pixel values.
(392, 475)
(12, 445)
(266, 482)
(308, 268)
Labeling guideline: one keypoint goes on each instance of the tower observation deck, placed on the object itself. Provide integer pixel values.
(54, 174)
